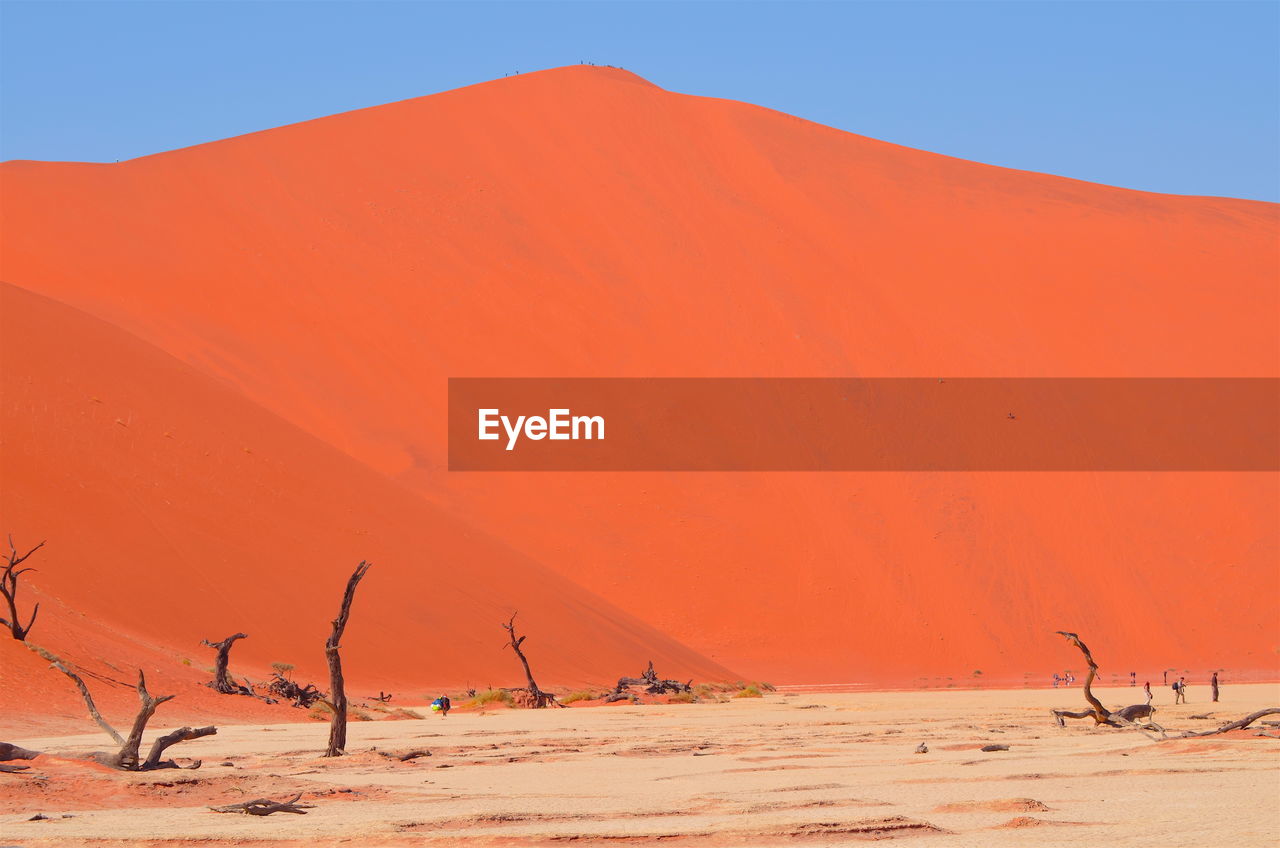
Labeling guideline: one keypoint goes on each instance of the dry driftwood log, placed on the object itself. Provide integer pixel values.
(338, 697)
(534, 697)
(222, 681)
(9, 590)
(265, 807)
(406, 756)
(1239, 724)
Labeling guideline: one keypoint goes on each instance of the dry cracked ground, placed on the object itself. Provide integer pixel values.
(811, 769)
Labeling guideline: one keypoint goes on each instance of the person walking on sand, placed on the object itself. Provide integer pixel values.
(1146, 687)
(1180, 690)
(1213, 685)
(441, 705)
(1056, 680)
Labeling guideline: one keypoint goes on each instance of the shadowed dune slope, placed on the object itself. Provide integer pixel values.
(582, 222)
(177, 511)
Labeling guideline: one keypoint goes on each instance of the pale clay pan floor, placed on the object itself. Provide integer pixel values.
(811, 769)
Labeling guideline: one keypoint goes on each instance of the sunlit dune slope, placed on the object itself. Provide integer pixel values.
(176, 510)
(581, 222)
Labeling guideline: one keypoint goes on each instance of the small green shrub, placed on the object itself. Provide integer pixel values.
(581, 695)
(752, 691)
(682, 698)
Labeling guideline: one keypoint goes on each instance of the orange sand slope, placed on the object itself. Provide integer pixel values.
(582, 222)
(177, 510)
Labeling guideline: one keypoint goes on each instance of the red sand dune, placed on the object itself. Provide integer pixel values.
(176, 510)
(582, 222)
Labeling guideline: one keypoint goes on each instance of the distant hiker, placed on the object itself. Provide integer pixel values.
(1056, 680)
(1213, 684)
(1180, 690)
(1133, 678)
(1147, 688)
(1166, 677)
(441, 705)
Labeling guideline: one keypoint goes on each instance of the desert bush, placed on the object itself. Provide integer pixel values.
(491, 696)
(683, 698)
(752, 691)
(581, 695)
(282, 669)
(402, 713)
(319, 711)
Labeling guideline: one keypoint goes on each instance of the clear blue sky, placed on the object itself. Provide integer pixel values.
(1172, 97)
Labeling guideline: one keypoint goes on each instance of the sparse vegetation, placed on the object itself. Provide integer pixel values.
(581, 695)
(682, 698)
(491, 696)
(282, 668)
(751, 691)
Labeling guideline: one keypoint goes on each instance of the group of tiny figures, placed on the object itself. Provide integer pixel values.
(1179, 686)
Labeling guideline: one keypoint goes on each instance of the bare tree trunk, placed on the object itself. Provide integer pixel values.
(127, 757)
(222, 681)
(337, 692)
(9, 591)
(537, 698)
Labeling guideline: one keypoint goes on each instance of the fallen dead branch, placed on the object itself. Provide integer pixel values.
(1238, 724)
(265, 807)
(405, 756)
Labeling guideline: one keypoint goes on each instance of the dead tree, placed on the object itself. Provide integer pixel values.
(222, 681)
(289, 690)
(1100, 714)
(537, 699)
(9, 589)
(127, 758)
(652, 683)
(338, 696)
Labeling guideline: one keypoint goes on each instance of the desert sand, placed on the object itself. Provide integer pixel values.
(263, 327)
(821, 769)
